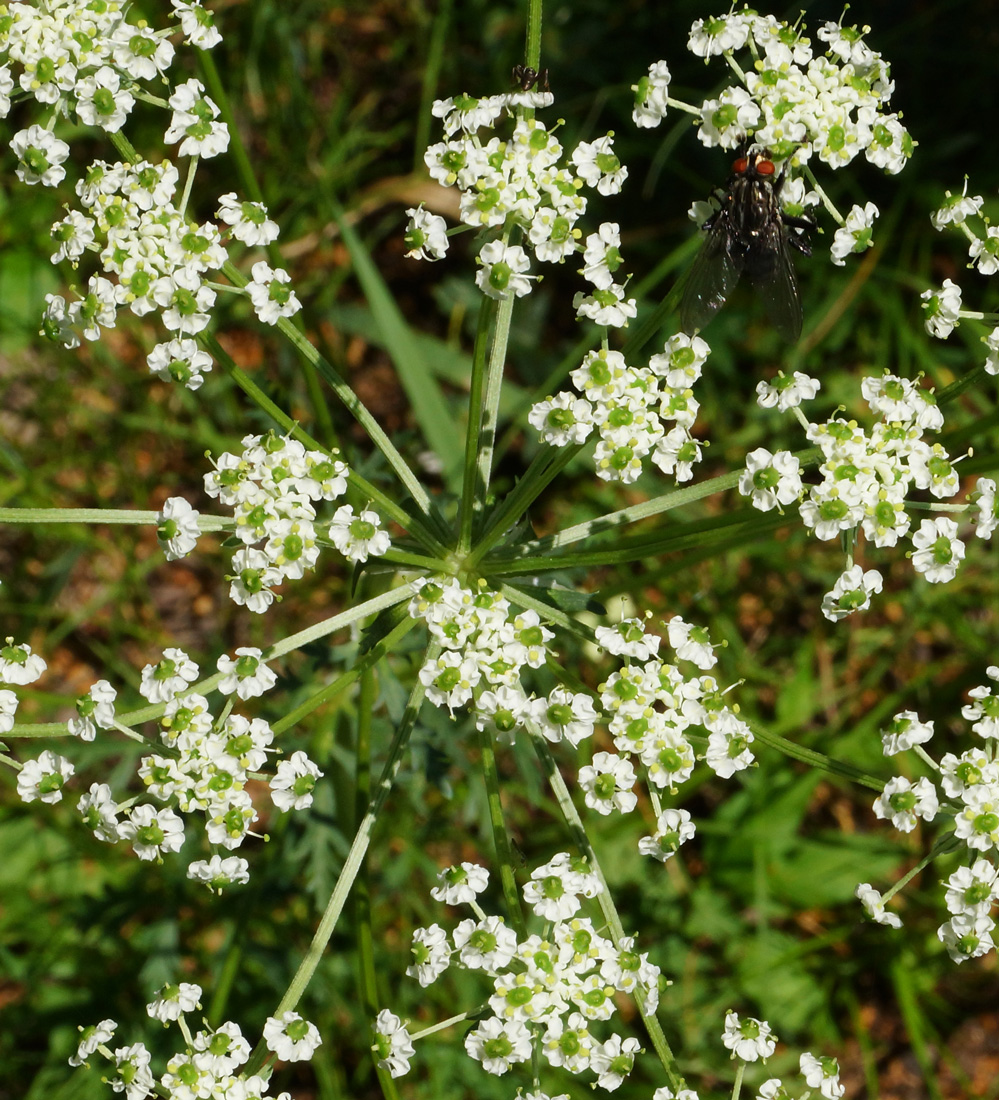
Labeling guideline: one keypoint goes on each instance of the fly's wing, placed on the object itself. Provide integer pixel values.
(712, 278)
(777, 285)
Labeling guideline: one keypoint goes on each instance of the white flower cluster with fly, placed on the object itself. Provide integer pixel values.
(211, 1061)
(965, 788)
(796, 102)
(868, 479)
(553, 991)
(202, 766)
(635, 413)
(944, 308)
(87, 62)
(526, 195)
(272, 487)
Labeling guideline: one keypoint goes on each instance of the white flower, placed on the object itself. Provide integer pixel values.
(177, 528)
(431, 954)
(673, 828)
(874, 905)
(271, 294)
(170, 676)
(987, 506)
(246, 674)
(197, 23)
(194, 124)
(822, 1074)
(8, 708)
(717, 35)
(905, 731)
(606, 306)
(691, 643)
(18, 665)
(985, 252)
(967, 936)
(972, 889)
(358, 536)
(43, 778)
(598, 165)
(748, 1039)
(291, 1038)
(502, 270)
(101, 101)
(426, 235)
(726, 121)
(957, 208)
(786, 392)
(499, 1044)
(942, 309)
(851, 592)
(628, 639)
(253, 581)
(613, 1060)
(151, 831)
(40, 156)
(728, 745)
(607, 783)
(99, 812)
(133, 1075)
(938, 550)
(219, 872)
(172, 1001)
(857, 235)
(902, 802)
(393, 1047)
(487, 945)
(180, 361)
(651, 96)
(770, 480)
(95, 711)
(564, 716)
(294, 782)
(249, 221)
(90, 1039)
(562, 419)
(460, 884)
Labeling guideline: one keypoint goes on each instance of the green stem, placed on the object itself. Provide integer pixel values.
(352, 864)
(493, 389)
(605, 900)
(547, 464)
(532, 48)
(355, 407)
(501, 839)
(473, 490)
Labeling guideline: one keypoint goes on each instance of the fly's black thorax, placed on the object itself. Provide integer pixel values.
(753, 208)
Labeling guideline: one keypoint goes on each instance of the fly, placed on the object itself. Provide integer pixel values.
(751, 234)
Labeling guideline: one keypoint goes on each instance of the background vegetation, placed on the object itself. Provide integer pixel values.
(333, 102)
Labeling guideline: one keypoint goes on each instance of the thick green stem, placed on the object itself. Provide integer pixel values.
(473, 489)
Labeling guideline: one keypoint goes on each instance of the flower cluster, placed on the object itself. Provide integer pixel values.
(272, 487)
(83, 60)
(202, 768)
(630, 409)
(524, 189)
(549, 990)
(868, 478)
(210, 1063)
(794, 101)
(652, 712)
(943, 308)
(969, 792)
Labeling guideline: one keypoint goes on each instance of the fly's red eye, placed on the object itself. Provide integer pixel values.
(739, 166)
(765, 167)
